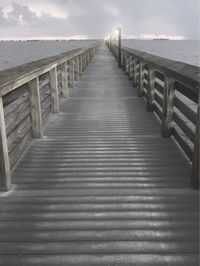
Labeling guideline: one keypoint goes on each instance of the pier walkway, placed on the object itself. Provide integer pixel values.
(102, 187)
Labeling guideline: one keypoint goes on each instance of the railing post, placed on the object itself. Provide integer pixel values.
(135, 74)
(54, 90)
(80, 65)
(196, 159)
(168, 107)
(71, 73)
(151, 89)
(83, 61)
(5, 176)
(131, 67)
(141, 80)
(124, 61)
(64, 79)
(77, 68)
(88, 57)
(127, 64)
(35, 106)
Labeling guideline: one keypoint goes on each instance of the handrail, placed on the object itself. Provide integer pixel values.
(171, 90)
(28, 93)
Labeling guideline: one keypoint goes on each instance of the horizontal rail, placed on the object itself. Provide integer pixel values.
(171, 90)
(28, 94)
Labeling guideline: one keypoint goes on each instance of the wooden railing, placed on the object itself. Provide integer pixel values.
(28, 94)
(171, 90)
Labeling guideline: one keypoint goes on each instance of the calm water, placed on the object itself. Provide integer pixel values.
(183, 51)
(20, 52)
(17, 53)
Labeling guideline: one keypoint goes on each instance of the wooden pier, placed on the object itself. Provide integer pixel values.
(86, 176)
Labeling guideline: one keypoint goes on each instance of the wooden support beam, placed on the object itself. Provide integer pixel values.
(65, 89)
(135, 73)
(124, 61)
(151, 89)
(35, 106)
(127, 65)
(80, 64)
(196, 157)
(5, 176)
(77, 74)
(141, 80)
(130, 67)
(88, 58)
(168, 107)
(71, 73)
(54, 90)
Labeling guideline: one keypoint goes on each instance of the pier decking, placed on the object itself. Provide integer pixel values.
(102, 187)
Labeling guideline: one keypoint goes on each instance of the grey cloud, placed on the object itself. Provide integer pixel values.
(97, 18)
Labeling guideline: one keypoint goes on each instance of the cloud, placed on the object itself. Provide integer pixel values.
(28, 18)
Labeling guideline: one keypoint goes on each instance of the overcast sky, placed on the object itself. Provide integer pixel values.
(45, 19)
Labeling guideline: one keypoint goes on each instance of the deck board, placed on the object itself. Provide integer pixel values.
(102, 187)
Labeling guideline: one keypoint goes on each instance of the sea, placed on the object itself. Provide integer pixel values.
(14, 53)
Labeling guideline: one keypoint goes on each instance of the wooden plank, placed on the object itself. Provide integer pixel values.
(19, 149)
(182, 142)
(77, 74)
(5, 177)
(35, 106)
(185, 73)
(158, 99)
(141, 79)
(186, 110)
(150, 89)
(64, 76)
(184, 126)
(168, 107)
(135, 72)
(131, 68)
(71, 72)
(54, 91)
(196, 158)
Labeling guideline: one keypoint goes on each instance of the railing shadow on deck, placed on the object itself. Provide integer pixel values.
(171, 91)
(28, 94)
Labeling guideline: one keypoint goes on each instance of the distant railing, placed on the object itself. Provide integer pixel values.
(28, 94)
(171, 90)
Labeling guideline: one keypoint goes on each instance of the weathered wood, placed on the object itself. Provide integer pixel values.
(183, 142)
(21, 145)
(124, 61)
(77, 68)
(159, 88)
(151, 89)
(54, 91)
(35, 106)
(130, 67)
(65, 89)
(141, 79)
(196, 157)
(168, 106)
(184, 126)
(80, 64)
(135, 72)
(158, 99)
(158, 111)
(18, 134)
(5, 177)
(186, 110)
(13, 78)
(71, 73)
(187, 74)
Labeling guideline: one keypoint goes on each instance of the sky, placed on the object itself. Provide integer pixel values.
(83, 19)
